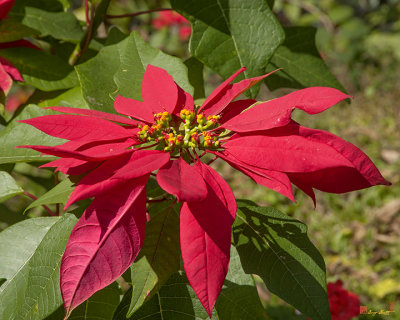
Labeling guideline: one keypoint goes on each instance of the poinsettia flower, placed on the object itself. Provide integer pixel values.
(344, 305)
(172, 18)
(8, 72)
(116, 154)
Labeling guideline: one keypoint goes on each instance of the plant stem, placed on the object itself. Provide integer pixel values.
(87, 12)
(30, 195)
(212, 160)
(132, 15)
(97, 15)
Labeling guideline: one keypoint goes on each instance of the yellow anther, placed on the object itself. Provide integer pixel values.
(165, 113)
(146, 128)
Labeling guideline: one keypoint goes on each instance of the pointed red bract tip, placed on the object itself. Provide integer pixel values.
(277, 112)
(205, 233)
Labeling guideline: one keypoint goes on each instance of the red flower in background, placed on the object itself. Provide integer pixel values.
(344, 304)
(263, 142)
(8, 72)
(172, 18)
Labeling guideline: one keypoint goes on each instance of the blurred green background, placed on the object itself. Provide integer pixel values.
(358, 233)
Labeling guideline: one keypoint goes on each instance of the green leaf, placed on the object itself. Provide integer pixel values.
(176, 300)
(8, 187)
(301, 63)
(276, 247)
(153, 190)
(12, 30)
(32, 291)
(135, 57)
(2, 280)
(238, 298)
(195, 72)
(100, 306)
(16, 247)
(18, 134)
(41, 70)
(96, 78)
(158, 259)
(119, 69)
(72, 98)
(59, 25)
(59, 194)
(227, 35)
(48, 5)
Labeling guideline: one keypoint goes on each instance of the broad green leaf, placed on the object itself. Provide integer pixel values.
(238, 298)
(33, 292)
(41, 70)
(72, 98)
(12, 30)
(59, 25)
(18, 242)
(158, 258)
(100, 306)
(276, 247)
(2, 280)
(96, 78)
(119, 69)
(301, 63)
(195, 73)
(176, 300)
(227, 35)
(59, 194)
(8, 187)
(18, 134)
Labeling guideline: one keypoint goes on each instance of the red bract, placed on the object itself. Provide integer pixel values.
(8, 72)
(172, 18)
(262, 142)
(344, 305)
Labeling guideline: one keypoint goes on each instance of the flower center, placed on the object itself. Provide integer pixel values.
(188, 130)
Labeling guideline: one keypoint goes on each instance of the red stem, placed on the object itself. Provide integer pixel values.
(203, 154)
(132, 15)
(87, 12)
(212, 160)
(44, 206)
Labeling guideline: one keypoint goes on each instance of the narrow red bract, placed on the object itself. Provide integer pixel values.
(263, 142)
